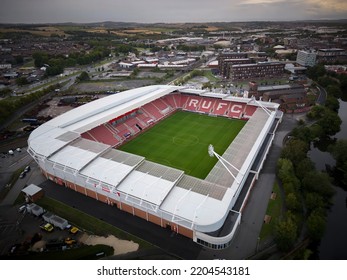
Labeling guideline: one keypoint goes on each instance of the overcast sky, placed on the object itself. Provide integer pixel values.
(151, 11)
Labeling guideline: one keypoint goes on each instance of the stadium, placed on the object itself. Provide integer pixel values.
(181, 158)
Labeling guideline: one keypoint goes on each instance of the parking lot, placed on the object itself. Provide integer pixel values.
(22, 230)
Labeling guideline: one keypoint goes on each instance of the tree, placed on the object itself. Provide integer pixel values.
(285, 234)
(334, 90)
(287, 175)
(316, 223)
(40, 58)
(316, 131)
(303, 133)
(21, 81)
(83, 77)
(316, 112)
(207, 85)
(295, 150)
(288, 187)
(314, 201)
(316, 71)
(326, 81)
(330, 122)
(332, 103)
(285, 168)
(19, 59)
(339, 151)
(4, 92)
(292, 202)
(318, 182)
(54, 70)
(304, 166)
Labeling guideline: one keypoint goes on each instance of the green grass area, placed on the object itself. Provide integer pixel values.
(87, 222)
(274, 209)
(181, 141)
(29, 63)
(212, 78)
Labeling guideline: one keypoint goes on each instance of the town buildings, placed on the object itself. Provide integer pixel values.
(306, 58)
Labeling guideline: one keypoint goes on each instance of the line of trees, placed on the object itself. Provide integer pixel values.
(308, 192)
(10, 105)
(191, 75)
(55, 64)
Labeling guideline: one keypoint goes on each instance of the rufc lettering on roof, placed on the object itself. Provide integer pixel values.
(208, 104)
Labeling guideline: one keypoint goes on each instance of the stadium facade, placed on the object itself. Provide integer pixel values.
(78, 150)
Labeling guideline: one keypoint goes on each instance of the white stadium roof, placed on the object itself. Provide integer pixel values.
(198, 203)
(102, 110)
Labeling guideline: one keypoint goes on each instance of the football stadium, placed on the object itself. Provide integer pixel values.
(184, 159)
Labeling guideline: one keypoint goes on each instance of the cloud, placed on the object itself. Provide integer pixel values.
(259, 2)
(330, 5)
(35, 11)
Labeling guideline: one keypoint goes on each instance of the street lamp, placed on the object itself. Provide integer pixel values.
(266, 110)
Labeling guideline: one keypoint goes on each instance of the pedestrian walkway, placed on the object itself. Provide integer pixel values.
(32, 177)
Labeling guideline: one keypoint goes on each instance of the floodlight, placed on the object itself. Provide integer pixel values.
(223, 161)
(211, 150)
(266, 110)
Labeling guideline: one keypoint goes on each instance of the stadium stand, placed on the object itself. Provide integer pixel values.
(102, 134)
(221, 108)
(152, 111)
(115, 134)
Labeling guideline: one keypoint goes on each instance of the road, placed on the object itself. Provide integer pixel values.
(322, 95)
(9, 164)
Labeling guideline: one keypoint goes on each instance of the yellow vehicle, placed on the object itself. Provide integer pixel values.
(47, 227)
(74, 230)
(70, 241)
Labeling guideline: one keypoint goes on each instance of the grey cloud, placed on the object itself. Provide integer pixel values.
(36, 11)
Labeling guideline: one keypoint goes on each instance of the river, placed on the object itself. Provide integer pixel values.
(333, 245)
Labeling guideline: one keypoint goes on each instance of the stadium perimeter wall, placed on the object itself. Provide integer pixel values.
(121, 205)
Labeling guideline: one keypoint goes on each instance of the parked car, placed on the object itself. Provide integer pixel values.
(47, 227)
(22, 175)
(70, 241)
(74, 230)
(27, 169)
(22, 209)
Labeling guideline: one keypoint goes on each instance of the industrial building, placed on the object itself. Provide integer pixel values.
(306, 58)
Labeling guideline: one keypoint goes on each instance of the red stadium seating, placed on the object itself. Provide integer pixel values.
(221, 108)
(173, 100)
(154, 111)
(250, 111)
(235, 110)
(101, 134)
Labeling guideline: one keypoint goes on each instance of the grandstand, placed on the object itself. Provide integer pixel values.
(79, 150)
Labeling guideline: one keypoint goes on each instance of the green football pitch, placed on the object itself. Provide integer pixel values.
(181, 141)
